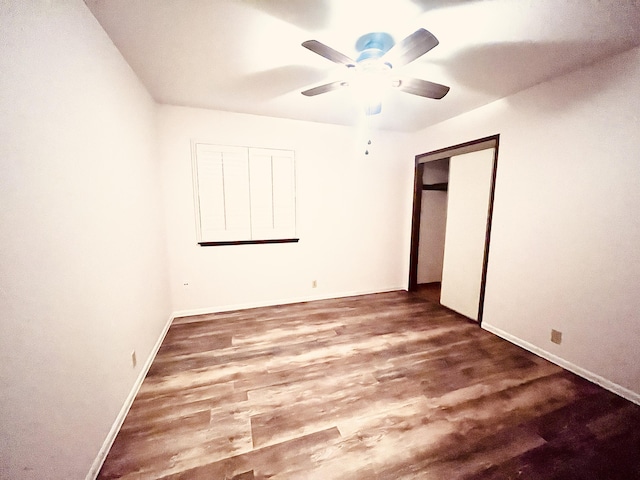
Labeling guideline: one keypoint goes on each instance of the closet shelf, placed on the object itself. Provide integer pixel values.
(442, 187)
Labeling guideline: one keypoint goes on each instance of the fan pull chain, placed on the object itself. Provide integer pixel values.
(367, 133)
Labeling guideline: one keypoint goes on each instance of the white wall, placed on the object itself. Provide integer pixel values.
(83, 277)
(433, 222)
(353, 214)
(566, 229)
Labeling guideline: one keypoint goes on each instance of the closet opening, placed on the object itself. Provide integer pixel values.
(453, 199)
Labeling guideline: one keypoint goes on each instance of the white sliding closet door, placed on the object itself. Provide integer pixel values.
(467, 208)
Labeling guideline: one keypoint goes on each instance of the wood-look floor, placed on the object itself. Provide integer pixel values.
(386, 386)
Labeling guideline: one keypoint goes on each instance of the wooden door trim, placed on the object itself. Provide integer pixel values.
(460, 149)
(487, 241)
(415, 226)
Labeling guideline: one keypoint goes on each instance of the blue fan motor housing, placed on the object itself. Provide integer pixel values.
(373, 45)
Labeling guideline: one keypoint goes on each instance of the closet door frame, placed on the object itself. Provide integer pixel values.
(448, 152)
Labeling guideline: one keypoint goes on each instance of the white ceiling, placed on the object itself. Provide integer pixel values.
(245, 55)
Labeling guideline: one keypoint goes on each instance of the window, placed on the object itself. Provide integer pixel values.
(244, 195)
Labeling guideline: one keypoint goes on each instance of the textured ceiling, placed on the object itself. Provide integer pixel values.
(245, 55)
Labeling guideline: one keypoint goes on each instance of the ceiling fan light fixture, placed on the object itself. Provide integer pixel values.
(371, 81)
(370, 75)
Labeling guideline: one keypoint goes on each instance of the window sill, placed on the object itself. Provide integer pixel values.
(248, 242)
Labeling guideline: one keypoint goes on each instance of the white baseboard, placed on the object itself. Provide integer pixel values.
(270, 303)
(115, 428)
(593, 377)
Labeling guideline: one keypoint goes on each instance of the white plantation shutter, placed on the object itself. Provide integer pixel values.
(272, 193)
(244, 194)
(284, 193)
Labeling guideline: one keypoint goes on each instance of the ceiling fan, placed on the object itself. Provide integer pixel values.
(373, 70)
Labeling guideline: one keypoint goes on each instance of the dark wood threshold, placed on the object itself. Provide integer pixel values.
(430, 291)
(248, 242)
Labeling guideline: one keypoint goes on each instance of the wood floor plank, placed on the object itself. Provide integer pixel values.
(385, 386)
(294, 455)
(318, 413)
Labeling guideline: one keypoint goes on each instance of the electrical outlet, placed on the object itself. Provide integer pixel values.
(556, 337)
(314, 284)
(134, 360)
